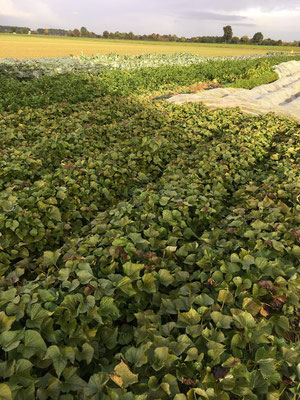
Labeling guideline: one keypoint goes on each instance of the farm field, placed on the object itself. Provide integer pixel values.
(24, 46)
(147, 250)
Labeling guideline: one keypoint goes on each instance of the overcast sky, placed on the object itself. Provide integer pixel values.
(278, 19)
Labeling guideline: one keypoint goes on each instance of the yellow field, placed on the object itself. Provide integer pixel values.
(25, 46)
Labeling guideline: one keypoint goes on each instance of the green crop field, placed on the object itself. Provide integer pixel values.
(148, 251)
(24, 46)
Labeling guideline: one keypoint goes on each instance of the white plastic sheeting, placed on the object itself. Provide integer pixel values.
(281, 97)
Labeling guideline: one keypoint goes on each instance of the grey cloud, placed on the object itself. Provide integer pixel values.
(243, 24)
(182, 17)
(209, 16)
(235, 5)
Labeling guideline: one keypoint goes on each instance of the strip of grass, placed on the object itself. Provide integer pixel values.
(25, 46)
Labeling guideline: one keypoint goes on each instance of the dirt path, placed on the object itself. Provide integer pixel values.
(281, 97)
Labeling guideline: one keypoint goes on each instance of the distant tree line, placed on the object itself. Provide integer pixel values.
(14, 29)
(227, 37)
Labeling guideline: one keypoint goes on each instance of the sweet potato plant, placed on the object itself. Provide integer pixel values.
(148, 251)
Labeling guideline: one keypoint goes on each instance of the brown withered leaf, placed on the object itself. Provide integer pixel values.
(287, 381)
(265, 310)
(266, 285)
(278, 303)
(219, 372)
(89, 289)
(189, 382)
(210, 282)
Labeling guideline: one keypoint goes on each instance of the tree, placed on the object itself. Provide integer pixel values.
(76, 32)
(84, 32)
(24, 31)
(106, 34)
(235, 40)
(227, 34)
(245, 39)
(258, 38)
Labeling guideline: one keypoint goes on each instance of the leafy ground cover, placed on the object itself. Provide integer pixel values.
(148, 251)
(95, 65)
(73, 88)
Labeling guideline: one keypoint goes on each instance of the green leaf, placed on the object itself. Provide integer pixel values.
(192, 354)
(136, 238)
(7, 369)
(191, 317)
(108, 308)
(204, 300)
(10, 340)
(59, 362)
(268, 370)
(85, 276)
(171, 249)
(180, 397)
(69, 354)
(167, 216)
(221, 320)
(248, 260)
(5, 392)
(261, 262)
(87, 353)
(6, 296)
(125, 285)
(46, 295)
(55, 214)
(200, 392)
(296, 251)
(165, 277)
(109, 336)
(277, 245)
(6, 205)
(235, 258)
(273, 396)
(96, 384)
(259, 225)
(283, 323)
(5, 322)
(243, 318)
(34, 343)
(148, 283)
(225, 297)
(164, 200)
(137, 356)
(162, 358)
(15, 224)
(215, 350)
(133, 270)
(289, 356)
(50, 257)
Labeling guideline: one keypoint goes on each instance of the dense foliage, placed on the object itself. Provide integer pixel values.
(97, 65)
(147, 251)
(116, 81)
